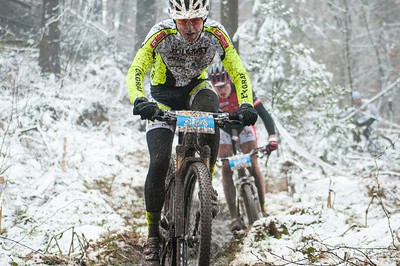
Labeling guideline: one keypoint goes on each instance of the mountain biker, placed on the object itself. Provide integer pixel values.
(367, 118)
(228, 102)
(179, 50)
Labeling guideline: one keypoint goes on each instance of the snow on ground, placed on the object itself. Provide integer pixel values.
(42, 201)
(99, 190)
(330, 236)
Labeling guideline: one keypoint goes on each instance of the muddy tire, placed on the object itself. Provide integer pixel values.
(251, 203)
(198, 217)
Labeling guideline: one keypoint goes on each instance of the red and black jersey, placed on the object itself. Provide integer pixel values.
(231, 105)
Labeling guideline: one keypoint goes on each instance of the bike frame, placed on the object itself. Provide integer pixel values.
(243, 176)
(188, 152)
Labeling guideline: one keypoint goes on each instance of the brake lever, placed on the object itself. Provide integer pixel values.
(164, 116)
(266, 150)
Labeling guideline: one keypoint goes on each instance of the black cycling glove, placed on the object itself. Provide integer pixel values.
(247, 114)
(144, 108)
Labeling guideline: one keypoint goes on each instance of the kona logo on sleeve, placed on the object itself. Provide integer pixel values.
(222, 38)
(138, 79)
(157, 39)
(245, 87)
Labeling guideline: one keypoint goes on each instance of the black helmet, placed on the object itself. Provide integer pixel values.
(218, 75)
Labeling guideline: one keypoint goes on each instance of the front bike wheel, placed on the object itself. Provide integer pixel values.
(198, 216)
(251, 203)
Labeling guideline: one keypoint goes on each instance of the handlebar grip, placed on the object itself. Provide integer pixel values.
(159, 115)
(235, 116)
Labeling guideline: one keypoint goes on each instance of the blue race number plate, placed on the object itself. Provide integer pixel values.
(239, 161)
(191, 121)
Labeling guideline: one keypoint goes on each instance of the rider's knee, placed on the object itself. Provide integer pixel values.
(206, 100)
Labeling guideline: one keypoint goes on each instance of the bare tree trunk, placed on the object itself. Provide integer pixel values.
(381, 77)
(19, 17)
(230, 18)
(215, 6)
(347, 32)
(98, 10)
(145, 18)
(49, 57)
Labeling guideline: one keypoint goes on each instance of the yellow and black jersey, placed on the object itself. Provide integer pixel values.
(177, 64)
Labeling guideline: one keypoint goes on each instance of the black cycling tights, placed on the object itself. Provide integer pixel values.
(159, 143)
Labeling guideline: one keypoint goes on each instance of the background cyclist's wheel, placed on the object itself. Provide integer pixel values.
(251, 204)
(378, 145)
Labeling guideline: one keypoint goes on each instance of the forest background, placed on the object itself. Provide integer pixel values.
(357, 41)
(304, 58)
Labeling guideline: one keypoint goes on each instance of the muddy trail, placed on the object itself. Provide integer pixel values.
(125, 248)
(126, 198)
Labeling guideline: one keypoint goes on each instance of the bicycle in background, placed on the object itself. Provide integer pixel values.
(376, 143)
(247, 198)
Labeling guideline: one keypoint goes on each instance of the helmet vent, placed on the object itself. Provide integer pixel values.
(188, 9)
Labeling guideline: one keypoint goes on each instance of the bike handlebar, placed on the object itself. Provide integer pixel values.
(220, 119)
(263, 149)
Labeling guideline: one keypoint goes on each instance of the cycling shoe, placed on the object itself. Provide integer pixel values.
(151, 252)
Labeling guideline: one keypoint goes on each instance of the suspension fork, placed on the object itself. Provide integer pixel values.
(205, 154)
(179, 193)
(193, 146)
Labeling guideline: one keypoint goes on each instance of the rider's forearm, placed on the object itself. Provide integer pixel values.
(134, 79)
(266, 118)
(134, 82)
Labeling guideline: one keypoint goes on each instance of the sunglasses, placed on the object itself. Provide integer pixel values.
(192, 21)
(220, 87)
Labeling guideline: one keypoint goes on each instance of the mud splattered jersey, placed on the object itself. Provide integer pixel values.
(176, 64)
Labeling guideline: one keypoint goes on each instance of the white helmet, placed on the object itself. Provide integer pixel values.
(187, 9)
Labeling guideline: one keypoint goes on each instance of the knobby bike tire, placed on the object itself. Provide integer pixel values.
(198, 215)
(168, 256)
(251, 203)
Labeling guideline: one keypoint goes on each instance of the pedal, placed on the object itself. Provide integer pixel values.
(165, 222)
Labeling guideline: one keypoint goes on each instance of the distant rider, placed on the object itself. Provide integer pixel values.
(366, 118)
(179, 50)
(228, 102)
